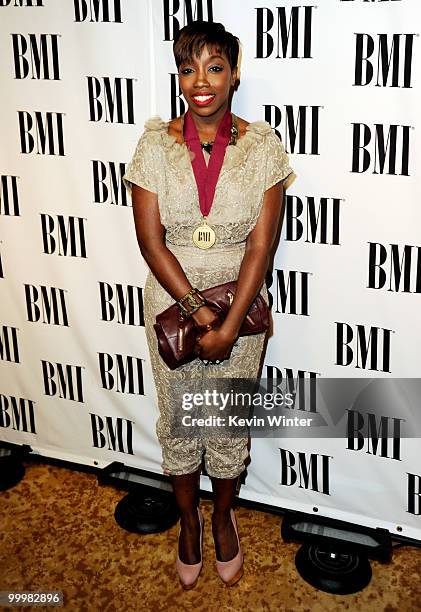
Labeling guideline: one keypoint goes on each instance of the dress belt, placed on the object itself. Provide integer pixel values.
(222, 248)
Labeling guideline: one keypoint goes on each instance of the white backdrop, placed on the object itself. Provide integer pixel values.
(339, 80)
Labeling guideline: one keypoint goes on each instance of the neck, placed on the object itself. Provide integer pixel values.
(210, 123)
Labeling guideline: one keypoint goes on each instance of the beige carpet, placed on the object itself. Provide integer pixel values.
(57, 531)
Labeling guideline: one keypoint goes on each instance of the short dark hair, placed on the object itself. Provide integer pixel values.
(191, 40)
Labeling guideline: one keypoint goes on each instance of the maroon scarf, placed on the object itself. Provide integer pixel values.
(207, 176)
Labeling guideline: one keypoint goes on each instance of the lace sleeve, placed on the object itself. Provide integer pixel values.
(277, 163)
(141, 170)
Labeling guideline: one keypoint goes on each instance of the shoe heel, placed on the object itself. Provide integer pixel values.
(189, 573)
(231, 571)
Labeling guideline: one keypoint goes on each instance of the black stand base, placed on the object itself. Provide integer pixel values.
(339, 573)
(147, 510)
(12, 471)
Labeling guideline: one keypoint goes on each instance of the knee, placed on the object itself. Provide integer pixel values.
(223, 459)
(180, 456)
(180, 471)
(215, 472)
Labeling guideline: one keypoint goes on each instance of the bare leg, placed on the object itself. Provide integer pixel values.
(226, 545)
(186, 489)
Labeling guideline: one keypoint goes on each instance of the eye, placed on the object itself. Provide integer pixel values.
(216, 68)
(186, 71)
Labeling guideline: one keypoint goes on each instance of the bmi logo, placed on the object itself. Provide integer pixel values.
(121, 304)
(414, 494)
(41, 132)
(178, 105)
(313, 221)
(381, 149)
(108, 185)
(384, 60)
(365, 347)
(178, 13)
(291, 292)
(281, 34)
(21, 3)
(394, 267)
(46, 305)
(123, 374)
(295, 382)
(112, 433)
(381, 434)
(36, 56)
(9, 347)
(308, 471)
(9, 198)
(63, 235)
(105, 11)
(300, 127)
(62, 380)
(17, 414)
(111, 99)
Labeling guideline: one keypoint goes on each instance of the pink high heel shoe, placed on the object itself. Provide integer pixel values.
(187, 572)
(231, 571)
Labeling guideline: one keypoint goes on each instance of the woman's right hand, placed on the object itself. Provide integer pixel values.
(204, 316)
(215, 345)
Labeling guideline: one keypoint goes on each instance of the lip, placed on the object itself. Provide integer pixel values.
(205, 102)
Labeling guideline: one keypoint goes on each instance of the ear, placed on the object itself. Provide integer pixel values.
(234, 75)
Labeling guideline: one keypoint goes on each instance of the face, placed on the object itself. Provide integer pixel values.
(206, 82)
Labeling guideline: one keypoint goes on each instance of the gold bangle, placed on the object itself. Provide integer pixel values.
(194, 299)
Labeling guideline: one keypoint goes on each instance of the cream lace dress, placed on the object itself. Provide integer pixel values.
(254, 164)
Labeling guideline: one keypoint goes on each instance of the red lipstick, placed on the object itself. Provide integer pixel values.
(203, 99)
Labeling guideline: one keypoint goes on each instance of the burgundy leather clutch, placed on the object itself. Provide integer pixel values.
(177, 335)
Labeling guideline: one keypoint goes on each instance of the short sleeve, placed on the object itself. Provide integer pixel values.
(141, 170)
(277, 163)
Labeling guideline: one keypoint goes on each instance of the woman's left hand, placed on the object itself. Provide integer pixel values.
(215, 344)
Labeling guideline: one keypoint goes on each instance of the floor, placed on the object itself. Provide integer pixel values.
(57, 531)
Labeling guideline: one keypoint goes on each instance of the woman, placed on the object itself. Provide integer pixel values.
(169, 206)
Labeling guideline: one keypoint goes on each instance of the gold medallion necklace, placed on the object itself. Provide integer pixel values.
(204, 235)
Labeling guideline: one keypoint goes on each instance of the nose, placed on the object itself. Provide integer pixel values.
(201, 79)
